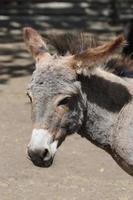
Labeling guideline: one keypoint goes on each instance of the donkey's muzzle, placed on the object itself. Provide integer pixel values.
(42, 148)
(40, 158)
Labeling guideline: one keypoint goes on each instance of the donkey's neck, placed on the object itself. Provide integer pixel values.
(104, 95)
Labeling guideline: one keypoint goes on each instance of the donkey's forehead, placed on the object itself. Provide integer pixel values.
(52, 73)
(52, 78)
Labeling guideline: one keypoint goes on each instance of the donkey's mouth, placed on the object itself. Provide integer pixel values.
(40, 159)
(42, 163)
(45, 164)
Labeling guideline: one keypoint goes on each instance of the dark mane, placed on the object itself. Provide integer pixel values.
(72, 43)
(121, 66)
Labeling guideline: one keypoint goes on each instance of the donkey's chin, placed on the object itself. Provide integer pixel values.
(42, 148)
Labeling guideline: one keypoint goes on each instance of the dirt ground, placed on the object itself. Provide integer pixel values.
(80, 170)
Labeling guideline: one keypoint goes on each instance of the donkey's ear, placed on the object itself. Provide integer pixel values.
(34, 42)
(91, 57)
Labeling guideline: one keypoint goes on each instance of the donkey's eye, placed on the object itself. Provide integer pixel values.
(64, 101)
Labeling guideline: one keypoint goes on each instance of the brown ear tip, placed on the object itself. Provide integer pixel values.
(25, 29)
(28, 30)
(121, 39)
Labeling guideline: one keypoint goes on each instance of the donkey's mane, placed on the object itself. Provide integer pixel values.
(75, 43)
(121, 66)
(72, 43)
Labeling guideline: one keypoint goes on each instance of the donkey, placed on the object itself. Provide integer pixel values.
(73, 91)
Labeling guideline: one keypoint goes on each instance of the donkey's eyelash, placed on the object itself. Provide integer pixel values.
(64, 101)
(29, 97)
(41, 83)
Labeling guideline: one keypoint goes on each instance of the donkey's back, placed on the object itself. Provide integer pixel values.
(122, 142)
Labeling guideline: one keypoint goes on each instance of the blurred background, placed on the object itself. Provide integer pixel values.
(102, 17)
(96, 16)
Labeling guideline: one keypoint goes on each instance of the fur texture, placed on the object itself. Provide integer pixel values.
(97, 105)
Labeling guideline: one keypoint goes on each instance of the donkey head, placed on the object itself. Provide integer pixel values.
(55, 94)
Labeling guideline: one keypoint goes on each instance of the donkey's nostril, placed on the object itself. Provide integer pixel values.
(44, 153)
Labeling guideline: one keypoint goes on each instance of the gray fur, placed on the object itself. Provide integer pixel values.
(48, 83)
